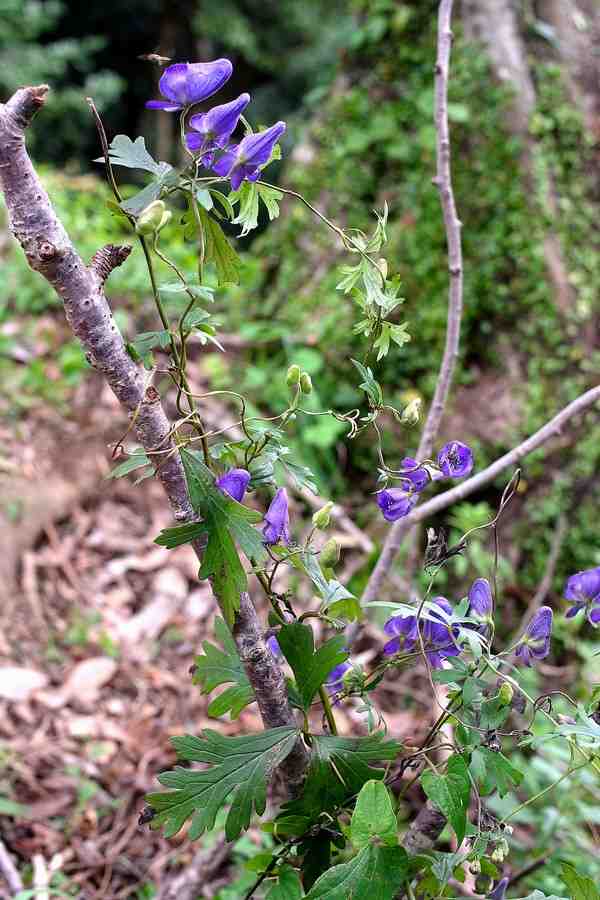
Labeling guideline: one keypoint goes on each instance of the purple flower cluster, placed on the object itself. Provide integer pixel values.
(439, 638)
(455, 460)
(277, 518)
(583, 590)
(185, 84)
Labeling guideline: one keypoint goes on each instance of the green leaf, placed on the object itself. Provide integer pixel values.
(133, 155)
(204, 198)
(270, 197)
(450, 793)
(337, 770)
(224, 520)
(223, 201)
(247, 197)
(180, 534)
(137, 459)
(239, 767)
(376, 873)
(369, 385)
(373, 816)
(349, 609)
(580, 886)
(311, 667)
(500, 773)
(217, 667)
(219, 250)
(316, 857)
(288, 886)
(146, 341)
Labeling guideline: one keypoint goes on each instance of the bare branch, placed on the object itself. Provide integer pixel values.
(50, 252)
(452, 224)
(9, 871)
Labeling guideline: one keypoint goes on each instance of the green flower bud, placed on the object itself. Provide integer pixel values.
(305, 383)
(330, 554)
(412, 412)
(475, 867)
(293, 375)
(154, 217)
(322, 517)
(506, 693)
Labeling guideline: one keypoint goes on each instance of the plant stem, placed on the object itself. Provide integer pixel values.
(327, 709)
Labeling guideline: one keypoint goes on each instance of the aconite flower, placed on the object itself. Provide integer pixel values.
(243, 161)
(455, 459)
(212, 129)
(184, 84)
(234, 482)
(583, 590)
(277, 519)
(535, 643)
(395, 503)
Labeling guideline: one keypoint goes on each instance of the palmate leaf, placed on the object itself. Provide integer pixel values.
(450, 793)
(219, 250)
(373, 816)
(248, 196)
(376, 872)
(217, 667)
(338, 769)
(580, 886)
(310, 667)
(493, 770)
(226, 521)
(133, 155)
(239, 767)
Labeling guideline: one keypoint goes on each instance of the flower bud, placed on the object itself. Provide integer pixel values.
(154, 217)
(322, 517)
(382, 266)
(506, 693)
(305, 383)
(330, 554)
(475, 867)
(412, 412)
(293, 375)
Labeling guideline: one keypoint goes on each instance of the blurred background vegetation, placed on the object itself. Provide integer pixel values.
(353, 79)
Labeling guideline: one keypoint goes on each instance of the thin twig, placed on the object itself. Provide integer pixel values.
(452, 225)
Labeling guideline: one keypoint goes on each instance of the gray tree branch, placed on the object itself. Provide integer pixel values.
(50, 252)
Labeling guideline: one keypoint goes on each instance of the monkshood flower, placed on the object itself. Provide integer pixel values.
(244, 160)
(438, 638)
(277, 519)
(455, 459)
(273, 645)
(213, 129)
(583, 590)
(335, 679)
(418, 477)
(481, 603)
(186, 83)
(499, 891)
(234, 482)
(395, 503)
(535, 643)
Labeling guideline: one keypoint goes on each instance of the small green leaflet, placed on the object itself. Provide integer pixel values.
(493, 770)
(288, 886)
(373, 816)
(450, 793)
(311, 667)
(219, 250)
(376, 872)
(248, 195)
(180, 534)
(580, 886)
(225, 521)
(238, 775)
(145, 342)
(337, 770)
(330, 589)
(369, 385)
(137, 459)
(224, 666)
(396, 333)
(133, 154)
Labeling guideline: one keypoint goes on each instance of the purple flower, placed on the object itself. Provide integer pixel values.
(404, 629)
(535, 643)
(186, 83)
(234, 482)
(583, 590)
(499, 891)
(480, 601)
(438, 639)
(455, 459)
(243, 160)
(273, 645)
(417, 477)
(334, 682)
(395, 503)
(277, 519)
(213, 129)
